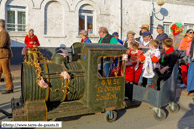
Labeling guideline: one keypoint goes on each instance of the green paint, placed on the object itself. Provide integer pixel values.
(95, 94)
(162, 61)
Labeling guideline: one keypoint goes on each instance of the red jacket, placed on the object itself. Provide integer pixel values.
(132, 75)
(31, 39)
(134, 57)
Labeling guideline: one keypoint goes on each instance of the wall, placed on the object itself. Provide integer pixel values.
(64, 30)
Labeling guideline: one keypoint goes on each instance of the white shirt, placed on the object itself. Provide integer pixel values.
(141, 39)
(155, 53)
(146, 44)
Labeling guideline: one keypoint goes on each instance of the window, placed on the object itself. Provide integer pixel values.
(86, 19)
(110, 66)
(167, 27)
(188, 26)
(16, 18)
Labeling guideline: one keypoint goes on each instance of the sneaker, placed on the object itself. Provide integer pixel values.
(182, 86)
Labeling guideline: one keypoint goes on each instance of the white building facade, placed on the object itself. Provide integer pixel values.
(58, 22)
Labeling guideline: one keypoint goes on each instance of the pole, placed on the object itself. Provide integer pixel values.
(121, 19)
(152, 17)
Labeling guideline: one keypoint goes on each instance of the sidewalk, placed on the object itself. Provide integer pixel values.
(5, 100)
(16, 75)
(16, 71)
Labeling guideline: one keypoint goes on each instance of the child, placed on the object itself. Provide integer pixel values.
(168, 59)
(154, 53)
(133, 66)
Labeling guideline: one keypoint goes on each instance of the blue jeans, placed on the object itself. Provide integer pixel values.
(149, 80)
(107, 69)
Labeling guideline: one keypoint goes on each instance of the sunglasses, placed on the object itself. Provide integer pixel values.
(191, 32)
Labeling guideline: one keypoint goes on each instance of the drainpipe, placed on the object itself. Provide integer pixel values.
(152, 17)
(121, 18)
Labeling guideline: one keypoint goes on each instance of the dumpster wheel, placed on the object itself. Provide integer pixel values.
(159, 114)
(173, 107)
(114, 113)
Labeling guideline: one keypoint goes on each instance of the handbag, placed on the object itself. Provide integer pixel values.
(148, 72)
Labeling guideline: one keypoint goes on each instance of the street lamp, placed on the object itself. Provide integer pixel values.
(159, 3)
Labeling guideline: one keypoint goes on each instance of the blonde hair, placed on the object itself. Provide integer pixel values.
(168, 42)
(154, 43)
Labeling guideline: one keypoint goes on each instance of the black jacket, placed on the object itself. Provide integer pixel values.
(106, 39)
(168, 58)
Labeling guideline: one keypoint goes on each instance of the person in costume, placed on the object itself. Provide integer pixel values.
(154, 52)
(31, 40)
(176, 35)
(133, 68)
(185, 45)
(168, 59)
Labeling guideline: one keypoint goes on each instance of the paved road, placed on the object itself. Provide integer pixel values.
(140, 117)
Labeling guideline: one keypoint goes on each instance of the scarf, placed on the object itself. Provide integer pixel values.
(84, 40)
(185, 43)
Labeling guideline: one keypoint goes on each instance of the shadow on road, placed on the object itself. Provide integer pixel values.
(6, 105)
(2, 104)
(187, 121)
(121, 113)
(178, 94)
(70, 118)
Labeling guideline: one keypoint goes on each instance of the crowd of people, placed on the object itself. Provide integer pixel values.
(138, 62)
(162, 61)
